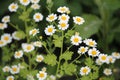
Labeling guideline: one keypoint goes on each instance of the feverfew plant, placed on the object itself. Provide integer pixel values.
(28, 55)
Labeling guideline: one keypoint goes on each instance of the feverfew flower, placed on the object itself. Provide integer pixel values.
(51, 17)
(82, 50)
(93, 52)
(50, 30)
(107, 71)
(14, 36)
(38, 17)
(25, 2)
(33, 32)
(6, 19)
(37, 43)
(98, 62)
(27, 47)
(35, 1)
(6, 38)
(103, 58)
(85, 70)
(6, 69)
(18, 54)
(111, 59)
(90, 42)
(13, 7)
(76, 39)
(39, 58)
(64, 18)
(3, 26)
(35, 6)
(2, 43)
(78, 20)
(15, 69)
(63, 9)
(116, 55)
(10, 78)
(63, 25)
(41, 75)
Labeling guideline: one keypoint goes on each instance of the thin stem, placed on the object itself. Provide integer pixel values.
(76, 59)
(14, 26)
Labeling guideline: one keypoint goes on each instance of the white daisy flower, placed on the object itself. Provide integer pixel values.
(103, 58)
(90, 42)
(76, 39)
(78, 20)
(35, 1)
(6, 38)
(13, 7)
(82, 50)
(85, 70)
(111, 59)
(116, 55)
(39, 58)
(14, 36)
(2, 43)
(18, 54)
(15, 69)
(63, 9)
(33, 32)
(93, 52)
(107, 71)
(50, 30)
(38, 17)
(27, 47)
(25, 2)
(63, 25)
(35, 6)
(3, 26)
(51, 17)
(98, 62)
(6, 69)
(41, 75)
(6, 19)
(37, 43)
(10, 78)
(64, 18)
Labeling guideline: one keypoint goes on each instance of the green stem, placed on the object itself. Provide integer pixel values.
(76, 59)
(14, 26)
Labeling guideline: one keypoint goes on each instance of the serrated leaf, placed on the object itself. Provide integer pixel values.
(67, 55)
(89, 62)
(85, 78)
(69, 33)
(57, 41)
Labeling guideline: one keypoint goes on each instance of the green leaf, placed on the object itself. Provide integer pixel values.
(85, 78)
(69, 33)
(89, 62)
(57, 41)
(67, 55)
(50, 59)
(20, 34)
(90, 27)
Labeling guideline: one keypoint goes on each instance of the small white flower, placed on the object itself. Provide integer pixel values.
(2, 43)
(41, 75)
(33, 32)
(6, 19)
(18, 54)
(103, 58)
(116, 55)
(38, 17)
(25, 2)
(64, 18)
(14, 36)
(93, 52)
(90, 42)
(85, 70)
(15, 69)
(50, 30)
(13, 7)
(76, 40)
(63, 25)
(52, 17)
(39, 58)
(98, 62)
(6, 38)
(27, 47)
(63, 9)
(111, 59)
(35, 1)
(3, 26)
(78, 20)
(6, 69)
(10, 78)
(82, 50)
(35, 6)
(37, 43)
(107, 71)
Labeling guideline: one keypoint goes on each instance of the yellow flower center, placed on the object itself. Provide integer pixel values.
(1, 25)
(25, 1)
(62, 9)
(76, 40)
(85, 70)
(14, 69)
(1, 42)
(38, 17)
(29, 47)
(91, 43)
(6, 19)
(63, 25)
(10, 78)
(6, 69)
(6, 38)
(117, 54)
(18, 54)
(41, 75)
(94, 52)
(13, 6)
(51, 17)
(50, 29)
(78, 19)
(103, 57)
(39, 59)
(63, 18)
(110, 59)
(34, 31)
(82, 50)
